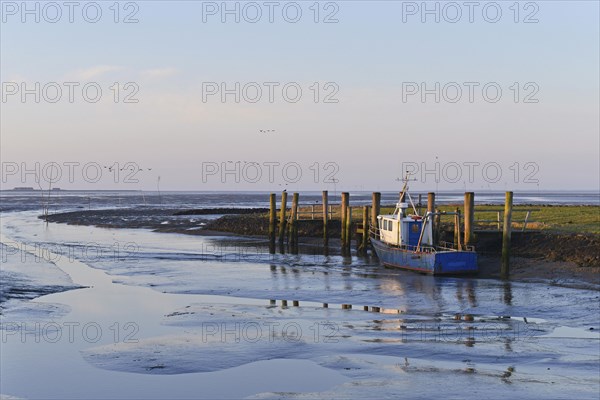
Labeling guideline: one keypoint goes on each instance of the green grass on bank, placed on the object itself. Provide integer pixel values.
(572, 219)
(576, 219)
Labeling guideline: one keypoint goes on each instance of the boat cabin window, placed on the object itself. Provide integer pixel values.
(387, 225)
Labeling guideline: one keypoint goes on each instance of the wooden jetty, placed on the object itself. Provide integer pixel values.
(357, 221)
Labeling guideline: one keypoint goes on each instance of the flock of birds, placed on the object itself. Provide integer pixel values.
(111, 168)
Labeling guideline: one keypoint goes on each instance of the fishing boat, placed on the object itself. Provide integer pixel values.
(406, 241)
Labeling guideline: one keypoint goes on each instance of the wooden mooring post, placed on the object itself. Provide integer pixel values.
(430, 202)
(272, 221)
(506, 233)
(365, 234)
(293, 234)
(375, 208)
(344, 217)
(469, 217)
(325, 218)
(348, 227)
(437, 224)
(457, 229)
(282, 221)
(431, 209)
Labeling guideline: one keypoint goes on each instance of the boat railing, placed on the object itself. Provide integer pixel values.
(446, 245)
(374, 231)
(449, 246)
(419, 249)
(441, 246)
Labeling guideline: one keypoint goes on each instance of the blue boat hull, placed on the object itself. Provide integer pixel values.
(437, 263)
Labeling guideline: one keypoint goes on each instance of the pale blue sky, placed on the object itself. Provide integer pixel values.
(369, 53)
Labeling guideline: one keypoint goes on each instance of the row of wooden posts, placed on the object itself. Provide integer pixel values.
(369, 218)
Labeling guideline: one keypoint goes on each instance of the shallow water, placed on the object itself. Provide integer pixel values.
(166, 315)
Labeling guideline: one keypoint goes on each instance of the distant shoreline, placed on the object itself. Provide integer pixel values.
(55, 190)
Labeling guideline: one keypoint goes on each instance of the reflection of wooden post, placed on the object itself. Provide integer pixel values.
(325, 218)
(431, 208)
(375, 209)
(344, 217)
(506, 233)
(365, 234)
(469, 217)
(507, 295)
(282, 221)
(293, 235)
(272, 222)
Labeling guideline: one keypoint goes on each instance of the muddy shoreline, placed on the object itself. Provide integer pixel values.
(558, 258)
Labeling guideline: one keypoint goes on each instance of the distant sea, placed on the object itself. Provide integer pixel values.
(13, 200)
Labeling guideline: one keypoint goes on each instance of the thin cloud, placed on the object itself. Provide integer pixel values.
(159, 72)
(96, 71)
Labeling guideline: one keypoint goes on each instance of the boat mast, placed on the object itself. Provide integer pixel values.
(403, 194)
